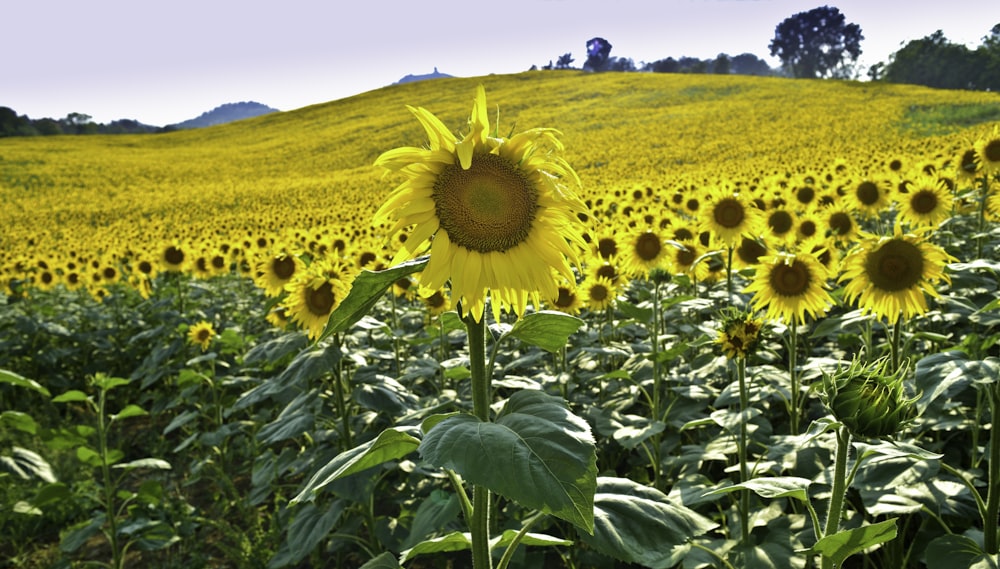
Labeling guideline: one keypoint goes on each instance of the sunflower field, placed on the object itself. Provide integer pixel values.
(550, 319)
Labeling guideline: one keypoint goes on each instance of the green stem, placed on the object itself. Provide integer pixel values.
(482, 394)
(109, 490)
(982, 216)
(839, 489)
(741, 373)
(509, 553)
(897, 332)
(729, 275)
(993, 491)
(654, 336)
(793, 348)
(713, 553)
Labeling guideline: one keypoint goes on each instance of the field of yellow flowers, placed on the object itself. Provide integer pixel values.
(747, 322)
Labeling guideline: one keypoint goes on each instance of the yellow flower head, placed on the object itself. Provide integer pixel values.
(201, 334)
(496, 211)
(891, 276)
(790, 286)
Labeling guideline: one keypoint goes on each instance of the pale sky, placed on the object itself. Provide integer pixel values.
(164, 62)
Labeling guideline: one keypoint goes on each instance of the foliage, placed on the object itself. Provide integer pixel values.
(816, 44)
(934, 61)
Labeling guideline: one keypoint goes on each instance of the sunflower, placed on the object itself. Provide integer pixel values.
(313, 295)
(201, 334)
(740, 335)
(598, 293)
(644, 250)
(729, 216)
(988, 151)
(869, 196)
(568, 299)
(790, 286)
(927, 202)
(840, 223)
(891, 276)
(496, 211)
(749, 252)
(274, 272)
(437, 302)
(172, 257)
(780, 225)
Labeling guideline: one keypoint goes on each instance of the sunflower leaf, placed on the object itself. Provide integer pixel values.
(15, 379)
(367, 289)
(843, 544)
(535, 438)
(546, 329)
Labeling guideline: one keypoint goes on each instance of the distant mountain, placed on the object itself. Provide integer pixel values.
(412, 78)
(225, 113)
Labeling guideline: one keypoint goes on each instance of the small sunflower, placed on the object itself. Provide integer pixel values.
(891, 276)
(313, 295)
(780, 226)
(497, 212)
(437, 302)
(598, 293)
(927, 202)
(201, 334)
(869, 196)
(568, 300)
(275, 271)
(790, 286)
(172, 257)
(988, 151)
(644, 250)
(840, 223)
(729, 216)
(740, 335)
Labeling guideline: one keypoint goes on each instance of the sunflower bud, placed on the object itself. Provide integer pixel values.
(868, 399)
(740, 335)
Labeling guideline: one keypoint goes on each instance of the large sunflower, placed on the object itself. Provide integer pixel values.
(790, 286)
(891, 276)
(496, 211)
(927, 202)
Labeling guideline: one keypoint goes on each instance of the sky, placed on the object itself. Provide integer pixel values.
(164, 62)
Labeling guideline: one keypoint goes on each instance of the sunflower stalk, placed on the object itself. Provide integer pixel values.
(993, 492)
(836, 508)
(479, 524)
(741, 374)
(793, 347)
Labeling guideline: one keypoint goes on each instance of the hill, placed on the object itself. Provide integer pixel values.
(226, 113)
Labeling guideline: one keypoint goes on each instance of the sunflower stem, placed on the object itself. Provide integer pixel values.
(897, 331)
(741, 374)
(729, 275)
(479, 525)
(993, 491)
(982, 216)
(839, 489)
(793, 346)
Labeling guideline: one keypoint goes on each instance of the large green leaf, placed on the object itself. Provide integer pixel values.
(391, 444)
(546, 329)
(537, 453)
(309, 526)
(772, 487)
(843, 544)
(950, 551)
(20, 421)
(639, 524)
(458, 541)
(15, 379)
(366, 290)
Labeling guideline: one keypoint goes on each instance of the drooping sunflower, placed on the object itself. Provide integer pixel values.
(790, 286)
(892, 276)
(927, 202)
(313, 294)
(201, 334)
(729, 216)
(499, 213)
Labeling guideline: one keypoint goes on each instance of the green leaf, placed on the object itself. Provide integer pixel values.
(391, 444)
(22, 507)
(366, 290)
(20, 421)
(309, 526)
(773, 487)
(950, 551)
(70, 396)
(546, 329)
(107, 383)
(537, 453)
(458, 541)
(26, 463)
(433, 514)
(385, 561)
(15, 379)
(155, 463)
(639, 524)
(52, 493)
(130, 410)
(843, 544)
(80, 533)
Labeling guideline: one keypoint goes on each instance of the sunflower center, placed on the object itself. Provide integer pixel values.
(319, 301)
(607, 247)
(896, 265)
(790, 280)
(867, 193)
(607, 271)
(204, 335)
(924, 202)
(780, 222)
(647, 246)
(598, 292)
(807, 228)
(489, 207)
(968, 162)
(173, 255)
(841, 223)
(992, 151)
(729, 213)
(686, 257)
(565, 298)
(750, 250)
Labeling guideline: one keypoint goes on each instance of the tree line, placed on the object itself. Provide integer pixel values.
(818, 44)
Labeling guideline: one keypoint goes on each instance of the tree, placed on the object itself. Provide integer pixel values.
(749, 64)
(934, 61)
(722, 65)
(565, 61)
(598, 50)
(817, 43)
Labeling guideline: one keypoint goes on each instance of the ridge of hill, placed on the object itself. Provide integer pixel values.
(225, 113)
